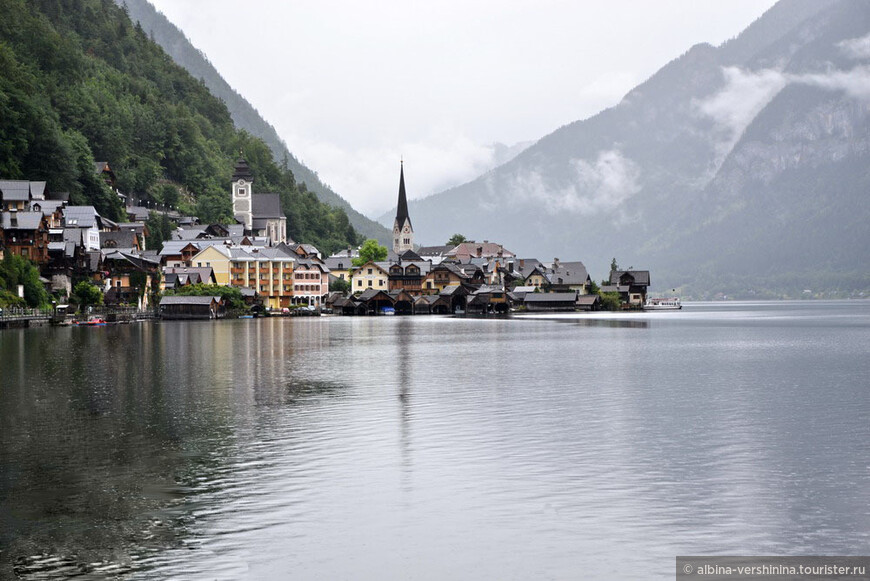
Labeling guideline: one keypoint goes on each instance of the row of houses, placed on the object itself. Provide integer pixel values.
(254, 254)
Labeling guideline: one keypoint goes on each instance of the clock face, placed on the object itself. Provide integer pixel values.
(406, 230)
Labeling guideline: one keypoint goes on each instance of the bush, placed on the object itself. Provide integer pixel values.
(610, 301)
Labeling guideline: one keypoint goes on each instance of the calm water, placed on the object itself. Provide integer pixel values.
(568, 447)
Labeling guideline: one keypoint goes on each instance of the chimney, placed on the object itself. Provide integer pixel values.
(479, 251)
(522, 263)
(510, 266)
(13, 218)
(555, 264)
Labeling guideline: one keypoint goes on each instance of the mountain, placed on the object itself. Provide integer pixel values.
(740, 169)
(79, 81)
(176, 44)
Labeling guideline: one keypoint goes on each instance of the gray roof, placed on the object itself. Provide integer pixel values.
(188, 232)
(641, 277)
(81, 217)
(338, 263)
(15, 190)
(434, 250)
(524, 266)
(138, 227)
(47, 207)
(139, 213)
(119, 239)
(24, 220)
(550, 297)
(587, 300)
(187, 300)
(73, 235)
(266, 206)
(172, 247)
(570, 273)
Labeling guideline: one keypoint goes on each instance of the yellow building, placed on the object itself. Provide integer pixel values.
(218, 259)
(370, 275)
(268, 271)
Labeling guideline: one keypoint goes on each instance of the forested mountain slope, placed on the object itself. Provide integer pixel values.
(79, 81)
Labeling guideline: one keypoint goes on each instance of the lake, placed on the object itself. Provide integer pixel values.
(587, 446)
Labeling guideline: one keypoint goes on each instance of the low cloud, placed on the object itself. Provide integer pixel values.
(856, 48)
(746, 93)
(368, 177)
(595, 187)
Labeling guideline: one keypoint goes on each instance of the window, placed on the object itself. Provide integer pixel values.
(370, 271)
(358, 282)
(370, 282)
(381, 282)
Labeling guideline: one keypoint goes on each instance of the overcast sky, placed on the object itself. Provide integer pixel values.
(351, 86)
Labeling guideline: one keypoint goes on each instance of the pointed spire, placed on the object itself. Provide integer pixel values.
(402, 206)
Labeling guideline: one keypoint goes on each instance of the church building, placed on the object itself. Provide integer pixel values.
(403, 232)
(260, 213)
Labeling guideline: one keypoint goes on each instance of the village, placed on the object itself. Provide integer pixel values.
(278, 276)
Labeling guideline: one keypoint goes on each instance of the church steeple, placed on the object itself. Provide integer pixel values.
(403, 232)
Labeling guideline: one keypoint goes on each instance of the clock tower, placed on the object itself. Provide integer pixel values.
(403, 232)
(243, 181)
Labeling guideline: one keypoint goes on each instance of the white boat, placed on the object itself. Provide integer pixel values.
(662, 304)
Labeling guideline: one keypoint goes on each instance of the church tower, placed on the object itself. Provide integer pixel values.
(243, 181)
(403, 232)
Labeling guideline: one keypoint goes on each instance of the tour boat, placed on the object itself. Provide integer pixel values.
(663, 304)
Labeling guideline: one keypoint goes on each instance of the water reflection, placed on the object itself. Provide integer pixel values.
(433, 447)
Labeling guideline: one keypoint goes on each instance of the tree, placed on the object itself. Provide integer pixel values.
(231, 295)
(456, 240)
(87, 293)
(340, 285)
(370, 251)
(14, 271)
(613, 265)
(610, 301)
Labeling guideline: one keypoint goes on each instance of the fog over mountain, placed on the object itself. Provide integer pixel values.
(740, 168)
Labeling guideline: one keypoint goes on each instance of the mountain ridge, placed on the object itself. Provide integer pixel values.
(640, 179)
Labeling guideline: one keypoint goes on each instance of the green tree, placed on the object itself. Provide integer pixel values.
(456, 240)
(613, 265)
(610, 301)
(340, 285)
(231, 295)
(87, 294)
(14, 271)
(370, 251)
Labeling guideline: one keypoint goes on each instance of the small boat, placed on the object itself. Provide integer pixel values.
(92, 322)
(663, 304)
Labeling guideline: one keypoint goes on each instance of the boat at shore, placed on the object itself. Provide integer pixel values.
(663, 304)
(91, 322)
